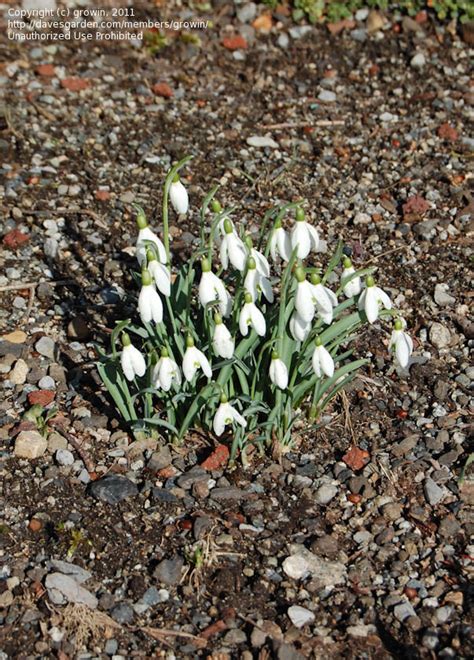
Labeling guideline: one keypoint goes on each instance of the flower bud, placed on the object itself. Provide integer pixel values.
(248, 297)
(217, 319)
(251, 265)
(275, 355)
(164, 352)
(228, 226)
(146, 277)
(318, 341)
(224, 399)
(370, 281)
(300, 274)
(142, 222)
(398, 325)
(126, 341)
(347, 263)
(315, 278)
(216, 206)
(205, 265)
(300, 215)
(189, 341)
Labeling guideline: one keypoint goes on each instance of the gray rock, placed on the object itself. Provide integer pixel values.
(64, 457)
(46, 383)
(262, 141)
(79, 574)
(45, 346)
(442, 297)
(443, 614)
(235, 636)
(247, 12)
(228, 493)
(283, 41)
(30, 444)
(168, 571)
(418, 61)
(433, 493)
(300, 616)
(111, 647)
(300, 31)
(70, 589)
(160, 459)
(440, 335)
(192, 476)
(123, 613)
(112, 488)
(51, 247)
(425, 230)
(404, 611)
(326, 96)
(303, 563)
(325, 493)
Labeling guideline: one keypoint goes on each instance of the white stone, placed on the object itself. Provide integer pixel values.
(303, 563)
(19, 372)
(261, 141)
(440, 336)
(300, 616)
(30, 444)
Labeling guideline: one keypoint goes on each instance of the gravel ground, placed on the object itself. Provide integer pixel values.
(116, 549)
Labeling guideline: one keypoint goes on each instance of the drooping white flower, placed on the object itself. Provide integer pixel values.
(305, 303)
(212, 289)
(159, 273)
(149, 301)
(232, 248)
(371, 298)
(222, 341)
(165, 372)
(145, 237)
(132, 361)
(278, 372)
(280, 243)
(322, 360)
(250, 315)
(299, 329)
(352, 288)
(225, 415)
(261, 262)
(193, 360)
(256, 283)
(304, 236)
(179, 196)
(324, 299)
(401, 343)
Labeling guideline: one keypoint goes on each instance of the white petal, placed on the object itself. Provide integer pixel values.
(161, 275)
(237, 253)
(299, 329)
(316, 362)
(273, 245)
(261, 262)
(403, 348)
(371, 305)
(145, 235)
(137, 360)
(313, 234)
(250, 283)
(383, 297)
(279, 374)
(304, 304)
(189, 366)
(126, 363)
(244, 319)
(326, 361)
(219, 419)
(326, 317)
(179, 197)
(224, 252)
(361, 301)
(237, 417)
(222, 342)
(284, 244)
(150, 305)
(258, 320)
(266, 288)
(331, 295)
(204, 362)
(300, 239)
(322, 298)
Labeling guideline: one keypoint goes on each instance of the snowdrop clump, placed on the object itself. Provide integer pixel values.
(242, 339)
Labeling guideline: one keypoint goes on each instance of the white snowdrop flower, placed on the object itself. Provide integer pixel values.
(226, 415)
(278, 372)
(261, 262)
(165, 372)
(354, 287)
(250, 315)
(322, 360)
(299, 329)
(222, 341)
(304, 236)
(232, 248)
(159, 273)
(179, 196)
(371, 298)
(145, 237)
(256, 283)
(324, 298)
(132, 361)
(212, 289)
(305, 304)
(149, 301)
(401, 343)
(193, 360)
(280, 243)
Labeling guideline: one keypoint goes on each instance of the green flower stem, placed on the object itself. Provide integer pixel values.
(166, 191)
